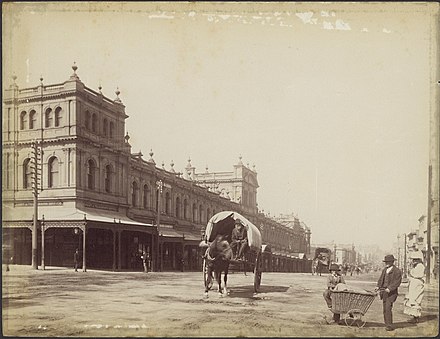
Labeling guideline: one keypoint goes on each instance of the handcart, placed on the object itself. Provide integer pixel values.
(352, 305)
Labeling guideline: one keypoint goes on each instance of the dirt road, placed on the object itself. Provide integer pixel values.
(60, 302)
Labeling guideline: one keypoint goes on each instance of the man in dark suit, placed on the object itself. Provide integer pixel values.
(387, 285)
(239, 240)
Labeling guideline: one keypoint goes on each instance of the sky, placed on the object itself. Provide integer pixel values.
(330, 102)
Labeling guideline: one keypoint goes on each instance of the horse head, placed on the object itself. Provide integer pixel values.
(220, 248)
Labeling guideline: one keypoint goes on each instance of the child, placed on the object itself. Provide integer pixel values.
(333, 279)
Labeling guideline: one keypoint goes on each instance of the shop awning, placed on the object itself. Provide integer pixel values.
(60, 213)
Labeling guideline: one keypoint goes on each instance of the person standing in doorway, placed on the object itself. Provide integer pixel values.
(387, 286)
(76, 260)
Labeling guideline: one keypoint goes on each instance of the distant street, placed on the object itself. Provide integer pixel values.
(60, 302)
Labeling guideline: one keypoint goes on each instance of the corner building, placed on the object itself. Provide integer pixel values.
(100, 198)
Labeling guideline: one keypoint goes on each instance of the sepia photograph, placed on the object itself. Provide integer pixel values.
(220, 169)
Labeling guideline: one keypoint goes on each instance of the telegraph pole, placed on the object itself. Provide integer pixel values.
(404, 263)
(36, 172)
(428, 229)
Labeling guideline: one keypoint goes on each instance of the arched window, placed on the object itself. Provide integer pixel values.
(53, 169)
(48, 118)
(194, 213)
(27, 173)
(185, 209)
(145, 196)
(94, 122)
(108, 178)
(112, 129)
(32, 119)
(23, 120)
(91, 172)
(87, 122)
(134, 193)
(167, 203)
(177, 207)
(58, 117)
(105, 127)
(200, 214)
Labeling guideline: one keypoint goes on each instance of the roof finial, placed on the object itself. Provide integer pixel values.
(172, 167)
(14, 77)
(117, 92)
(100, 88)
(206, 168)
(239, 160)
(74, 76)
(127, 137)
(189, 163)
(163, 164)
(41, 80)
(151, 157)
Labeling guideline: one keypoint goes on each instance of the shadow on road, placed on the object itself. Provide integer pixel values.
(248, 291)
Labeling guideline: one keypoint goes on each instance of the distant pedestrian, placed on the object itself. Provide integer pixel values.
(76, 260)
(145, 260)
(333, 279)
(387, 285)
(416, 287)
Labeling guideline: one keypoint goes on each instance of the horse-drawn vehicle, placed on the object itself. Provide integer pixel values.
(218, 256)
(321, 261)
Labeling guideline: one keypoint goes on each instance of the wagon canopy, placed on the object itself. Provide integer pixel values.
(223, 223)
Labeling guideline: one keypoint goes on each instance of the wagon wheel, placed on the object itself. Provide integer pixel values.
(257, 273)
(205, 275)
(354, 317)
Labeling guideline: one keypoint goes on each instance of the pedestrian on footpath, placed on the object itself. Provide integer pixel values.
(387, 286)
(145, 258)
(333, 279)
(76, 260)
(416, 287)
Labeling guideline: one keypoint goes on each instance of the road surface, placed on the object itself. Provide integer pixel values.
(61, 302)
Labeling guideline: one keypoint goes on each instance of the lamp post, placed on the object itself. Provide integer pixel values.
(404, 263)
(159, 185)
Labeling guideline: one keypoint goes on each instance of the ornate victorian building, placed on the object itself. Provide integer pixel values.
(98, 196)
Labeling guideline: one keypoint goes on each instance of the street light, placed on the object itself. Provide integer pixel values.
(159, 185)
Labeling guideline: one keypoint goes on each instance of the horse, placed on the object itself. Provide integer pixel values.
(218, 256)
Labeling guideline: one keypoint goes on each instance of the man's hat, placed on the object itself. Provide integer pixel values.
(389, 258)
(238, 222)
(334, 267)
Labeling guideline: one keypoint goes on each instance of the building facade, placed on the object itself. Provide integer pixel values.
(111, 204)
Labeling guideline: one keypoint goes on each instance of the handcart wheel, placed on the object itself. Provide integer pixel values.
(354, 317)
(205, 275)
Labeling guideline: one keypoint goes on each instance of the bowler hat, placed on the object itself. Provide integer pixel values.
(238, 222)
(334, 267)
(389, 258)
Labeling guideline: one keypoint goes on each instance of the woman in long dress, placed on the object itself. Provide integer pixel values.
(416, 287)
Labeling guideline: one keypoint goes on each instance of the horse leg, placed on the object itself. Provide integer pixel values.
(217, 278)
(208, 281)
(225, 278)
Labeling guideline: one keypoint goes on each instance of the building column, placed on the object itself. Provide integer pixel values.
(114, 249)
(84, 248)
(119, 249)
